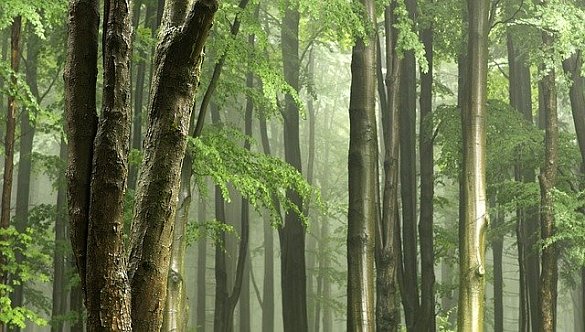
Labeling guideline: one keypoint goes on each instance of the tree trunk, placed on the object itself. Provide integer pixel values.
(27, 132)
(268, 283)
(10, 133)
(223, 317)
(59, 264)
(426, 320)
(473, 219)
(362, 166)
(292, 233)
(107, 286)
(201, 270)
(177, 69)
(76, 304)
(547, 299)
(497, 251)
(387, 312)
(408, 186)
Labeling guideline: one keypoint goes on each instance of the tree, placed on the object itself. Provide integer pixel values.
(362, 164)
(97, 221)
(473, 220)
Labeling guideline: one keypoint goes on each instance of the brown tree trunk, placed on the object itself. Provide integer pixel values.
(177, 69)
(59, 264)
(473, 219)
(426, 319)
(201, 271)
(387, 312)
(408, 187)
(547, 299)
(292, 233)
(362, 169)
(268, 283)
(27, 132)
(107, 286)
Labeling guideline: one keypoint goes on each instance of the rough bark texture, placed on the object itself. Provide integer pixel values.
(547, 299)
(81, 126)
(387, 312)
(426, 320)
(474, 219)
(176, 77)
(292, 233)
(408, 185)
(107, 286)
(362, 164)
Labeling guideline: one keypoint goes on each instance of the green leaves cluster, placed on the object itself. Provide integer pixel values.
(262, 180)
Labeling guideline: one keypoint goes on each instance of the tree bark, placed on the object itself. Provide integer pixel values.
(201, 270)
(362, 166)
(426, 320)
(408, 185)
(387, 312)
(177, 69)
(497, 251)
(59, 263)
(474, 219)
(547, 299)
(292, 233)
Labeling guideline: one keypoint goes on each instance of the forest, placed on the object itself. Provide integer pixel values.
(292, 165)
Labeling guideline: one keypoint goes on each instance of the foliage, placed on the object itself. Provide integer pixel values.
(40, 13)
(261, 179)
(212, 229)
(570, 227)
(13, 243)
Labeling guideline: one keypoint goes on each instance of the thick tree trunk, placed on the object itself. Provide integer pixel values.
(201, 271)
(408, 186)
(474, 219)
(59, 264)
(177, 69)
(426, 319)
(547, 299)
(107, 285)
(292, 233)
(362, 166)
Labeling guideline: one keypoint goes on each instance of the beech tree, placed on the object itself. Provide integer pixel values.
(473, 220)
(97, 172)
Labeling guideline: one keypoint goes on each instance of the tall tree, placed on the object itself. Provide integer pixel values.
(426, 320)
(387, 293)
(201, 270)
(547, 297)
(474, 219)
(292, 233)
(362, 165)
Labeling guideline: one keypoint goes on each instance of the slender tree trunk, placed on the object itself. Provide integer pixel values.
(547, 298)
(76, 303)
(426, 320)
(27, 132)
(292, 233)
(268, 283)
(362, 166)
(408, 186)
(223, 317)
(473, 219)
(201, 270)
(387, 312)
(497, 251)
(59, 264)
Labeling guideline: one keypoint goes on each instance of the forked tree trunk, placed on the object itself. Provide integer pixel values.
(473, 219)
(387, 311)
(362, 165)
